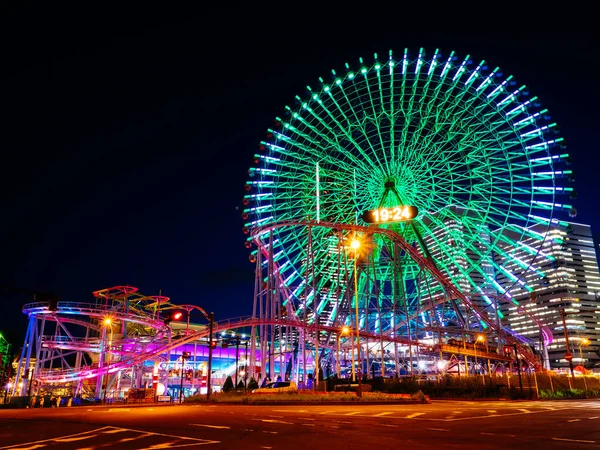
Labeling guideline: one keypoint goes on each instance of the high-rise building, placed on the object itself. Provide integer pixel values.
(559, 286)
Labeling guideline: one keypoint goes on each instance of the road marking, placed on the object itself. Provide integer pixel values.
(149, 409)
(574, 440)
(497, 415)
(437, 429)
(412, 416)
(351, 413)
(306, 418)
(117, 430)
(273, 421)
(383, 414)
(29, 448)
(278, 417)
(341, 421)
(492, 410)
(524, 410)
(262, 446)
(53, 439)
(574, 420)
(271, 432)
(210, 426)
(331, 426)
(74, 439)
(118, 409)
(308, 424)
(387, 425)
(499, 434)
(595, 417)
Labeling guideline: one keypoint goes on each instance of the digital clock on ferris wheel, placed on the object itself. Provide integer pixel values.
(388, 215)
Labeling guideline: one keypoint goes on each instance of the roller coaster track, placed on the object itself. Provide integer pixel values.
(132, 358)
(428, 265)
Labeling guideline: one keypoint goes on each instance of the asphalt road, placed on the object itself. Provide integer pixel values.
(439, 425)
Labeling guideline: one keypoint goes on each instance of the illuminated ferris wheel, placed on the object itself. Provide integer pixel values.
(463, 148)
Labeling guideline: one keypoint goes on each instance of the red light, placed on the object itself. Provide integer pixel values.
(177, 315)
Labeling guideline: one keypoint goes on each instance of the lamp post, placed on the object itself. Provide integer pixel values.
(246, 367)
(343, 332)
(356, 245)
(583, 342)
(211, 320)
(237, 357)
(107, 323)
(568, 355)
(480, 338)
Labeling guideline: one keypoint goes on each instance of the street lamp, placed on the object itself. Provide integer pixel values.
(107, 323)
(480, 338)
(343, 332)
(355, 244)
(583, 342)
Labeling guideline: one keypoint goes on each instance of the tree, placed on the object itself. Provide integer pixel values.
(240, 385)
(252, 384)
(228, 385)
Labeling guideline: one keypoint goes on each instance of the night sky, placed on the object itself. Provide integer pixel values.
(127, 135)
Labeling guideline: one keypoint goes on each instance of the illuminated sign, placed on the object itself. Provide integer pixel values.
(386, 215)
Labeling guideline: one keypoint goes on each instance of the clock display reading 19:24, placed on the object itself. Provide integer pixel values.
(387, 215)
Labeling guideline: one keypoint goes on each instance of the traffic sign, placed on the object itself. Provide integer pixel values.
(568, 356)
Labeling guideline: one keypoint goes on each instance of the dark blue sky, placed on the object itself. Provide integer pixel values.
(127, 135)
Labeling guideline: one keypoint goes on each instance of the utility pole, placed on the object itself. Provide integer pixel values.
(181, 381)
(568, 354)
(237, 354)
(210, 347)
(246, 368)
(518, 369)
(184, 356)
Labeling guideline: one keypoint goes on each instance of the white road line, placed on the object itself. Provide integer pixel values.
(437, 429)
(386, 425)
(263, 446)
(331, 426)
(574, 420)
(118, 409)
(273, 421)
(53, 439)
(353, 413)
(595, 417)
(277, 417)
(524, 410)
(271, 432)
(492, 410)
(573, 440)
(308, 424)
(412, 416)
(383, 414)
(306, 418)
(341, 421)
(211, 426)
(499, 434)
(33, 447)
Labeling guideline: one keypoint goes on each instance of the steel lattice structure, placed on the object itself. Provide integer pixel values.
(468, 147)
